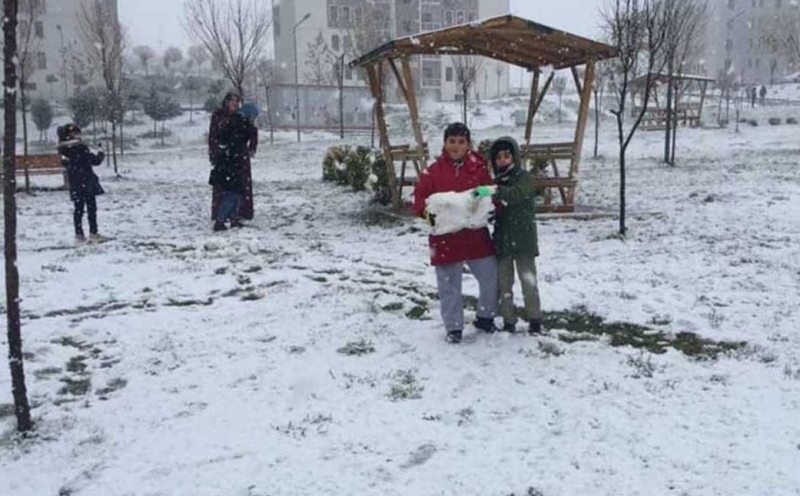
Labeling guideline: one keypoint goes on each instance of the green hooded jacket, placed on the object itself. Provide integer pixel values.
(515, 231)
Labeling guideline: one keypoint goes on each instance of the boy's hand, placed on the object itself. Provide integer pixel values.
(482, 192)
(429, 218)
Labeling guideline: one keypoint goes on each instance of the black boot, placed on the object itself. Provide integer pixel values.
(220, 226)
(509, 328)
(236, 223)
(535, 327)
(453, 337)
(485, 324)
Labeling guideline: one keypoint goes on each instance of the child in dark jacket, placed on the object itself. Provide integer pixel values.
(515, 235)
(232, 152)
(84, 185)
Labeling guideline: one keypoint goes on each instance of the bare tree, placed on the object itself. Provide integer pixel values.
(103, 46)
(234, 34)
(782, 34)
(637, 28)
(268, 76)
(172, 57)
(199, 55)
(22, 408)
(145, 54)
(599, 88)
(686, 20)
(559, 86)
(466, 68)
(319, 62)
(28, 47)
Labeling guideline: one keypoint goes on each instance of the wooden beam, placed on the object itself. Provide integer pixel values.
(703, 88)
(577, 79)
(375, 83)
(411, 97)
(532, 106)
(399, 78)
(583, 114)
(544, 92)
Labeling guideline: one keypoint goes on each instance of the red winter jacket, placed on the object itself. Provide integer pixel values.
(441, 177)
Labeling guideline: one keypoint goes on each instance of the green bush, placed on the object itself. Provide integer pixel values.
(361, 168)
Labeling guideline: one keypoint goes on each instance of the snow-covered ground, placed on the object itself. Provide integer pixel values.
(304, 354)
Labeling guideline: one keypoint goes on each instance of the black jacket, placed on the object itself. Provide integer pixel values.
(232, 153)
(78, 160)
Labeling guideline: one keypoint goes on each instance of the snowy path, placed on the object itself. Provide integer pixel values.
(207, 364)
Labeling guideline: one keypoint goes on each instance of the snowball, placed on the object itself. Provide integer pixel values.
(457, 211)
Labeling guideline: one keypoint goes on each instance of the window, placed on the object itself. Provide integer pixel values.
(471, 16)
(427, 17)
(39, 29)
(731, 4)
(276, 23)
(758, 63)
(448, 74)
(333, 13)
(346, 13)
(357, 13)
(335, 43)
(348, 43)
(448, 17)
(41, 60)
(729, 44)
(460, 17)
(431, 72)
(348, 73)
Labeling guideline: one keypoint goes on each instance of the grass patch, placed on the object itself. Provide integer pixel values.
(77, 364)
(75, 387)
(71, 342)
(172, 302)
(417, 313)
(405, 386)
(6, 410)
(113, 385)
(357, 348)
(46, 372)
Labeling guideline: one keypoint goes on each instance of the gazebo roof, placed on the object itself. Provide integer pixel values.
(663, 78)
(508, 38)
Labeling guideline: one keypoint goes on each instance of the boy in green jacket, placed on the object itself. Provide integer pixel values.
(515, 237)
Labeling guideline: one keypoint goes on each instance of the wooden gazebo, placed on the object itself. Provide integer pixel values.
(685, 112)
(510, 39)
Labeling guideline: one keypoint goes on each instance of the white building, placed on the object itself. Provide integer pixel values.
(336, 21)
(56, 45)
(737, 43)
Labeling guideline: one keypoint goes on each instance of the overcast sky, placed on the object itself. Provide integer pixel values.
(157, 22)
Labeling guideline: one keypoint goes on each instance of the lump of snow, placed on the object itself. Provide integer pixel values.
(457, 211)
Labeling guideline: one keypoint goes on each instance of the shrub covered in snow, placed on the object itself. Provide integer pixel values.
(361, 168)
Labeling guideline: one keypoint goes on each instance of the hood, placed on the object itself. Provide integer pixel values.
(515, 150)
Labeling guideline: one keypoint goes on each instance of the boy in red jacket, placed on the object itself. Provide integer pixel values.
(459, 169)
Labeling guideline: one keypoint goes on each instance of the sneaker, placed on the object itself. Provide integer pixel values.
(485, 324)
(94, 237)
(220, 226)
(453, 337)
(80, 238)
(535, 327)
(509, 328)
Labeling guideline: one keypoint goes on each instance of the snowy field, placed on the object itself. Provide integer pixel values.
(304, 354)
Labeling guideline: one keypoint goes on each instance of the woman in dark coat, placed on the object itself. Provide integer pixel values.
(220, 117)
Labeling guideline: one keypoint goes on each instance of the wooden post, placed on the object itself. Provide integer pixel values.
(577, 79)
(373, 73)
(703, 88)
(532, 106)
(583, 114)
(411, 97)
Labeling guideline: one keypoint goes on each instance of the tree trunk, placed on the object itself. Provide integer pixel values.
(24, 137)
(191, 107)
(114, 144)
(162, 132)
(596, 121)
(622, 228)
(670, 120)
(559, 108)
(269, 116)
(15, 358)
(464, 90)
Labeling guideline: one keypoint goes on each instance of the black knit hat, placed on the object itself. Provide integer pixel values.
(231, 95)
(65, 131)
(501, 146)
(457, 129)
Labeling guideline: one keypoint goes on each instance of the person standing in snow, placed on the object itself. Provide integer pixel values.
(230, 106)
(515, 234)
(459, 169)
(84, 185)
(231, 157)
(763, 94)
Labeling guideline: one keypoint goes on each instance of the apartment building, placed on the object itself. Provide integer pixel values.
(737, 43)
(55, 45)
(338, 22)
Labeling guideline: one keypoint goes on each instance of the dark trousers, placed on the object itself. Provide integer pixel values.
(229, 207)
(90, 203)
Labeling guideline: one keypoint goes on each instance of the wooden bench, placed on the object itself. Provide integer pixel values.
(37, 165)
(566, 187)
(405, 154)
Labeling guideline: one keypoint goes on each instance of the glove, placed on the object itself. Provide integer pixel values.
(482, 192)
(429, 218)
